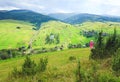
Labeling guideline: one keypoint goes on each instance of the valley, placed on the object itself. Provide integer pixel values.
(55, 47)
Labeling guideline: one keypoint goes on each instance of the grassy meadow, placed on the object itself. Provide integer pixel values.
(98, 26)
(11, 37)
(59, 69)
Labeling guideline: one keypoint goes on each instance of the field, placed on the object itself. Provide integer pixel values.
(11, 37)
(67, 34)
(61, 69)
(58, 62)
(15, 34)
(107, 27)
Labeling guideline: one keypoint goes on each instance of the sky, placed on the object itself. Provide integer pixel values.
(100, 7)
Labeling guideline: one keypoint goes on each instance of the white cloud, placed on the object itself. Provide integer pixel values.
(111, 7)
(8, 8)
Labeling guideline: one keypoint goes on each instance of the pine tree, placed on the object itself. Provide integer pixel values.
(29, 67)
(112, 44)
(98, 51)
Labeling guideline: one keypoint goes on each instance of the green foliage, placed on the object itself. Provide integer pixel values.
(112, 44)
(42, 65)
(29, 67)
(106, 77)
(15, 73)
(98, 51)
(52, 39)
(5, 54)
(93, 73)
(9, 53)
(62, 70)
(78, 73)
(105, 49)
(116, 62)
(57, 39)
(70, 46)
(71, 58)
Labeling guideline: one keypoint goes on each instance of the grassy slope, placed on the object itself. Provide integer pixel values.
(98, 26)
(10, 36)
(67, 33)
(57, 60)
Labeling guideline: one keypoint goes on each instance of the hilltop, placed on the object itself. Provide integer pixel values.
(61, 16)
(25, 15)
(81, 18)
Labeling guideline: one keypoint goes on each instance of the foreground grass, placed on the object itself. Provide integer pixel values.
(59, 65)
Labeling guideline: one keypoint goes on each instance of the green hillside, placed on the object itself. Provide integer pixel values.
(14, 33)
(98, 26)
(62, 65)
(66, 32)
(11, 37)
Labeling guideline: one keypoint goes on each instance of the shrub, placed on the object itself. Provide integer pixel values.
(70, 46)
(71, 58)
(106, 77)
(98, 51)
(29, 67)
(4, 54)
(105, 49)
(112, 44)
(42, 64)
(15, 73)
(79, 45)
(78, 73)
(116, 62)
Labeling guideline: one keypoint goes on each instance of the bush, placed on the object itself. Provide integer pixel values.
(71, 58)
(112, 44)
(105, 49)
(116, 62)
(98, 51)
(5, 54)
(70, 46)
(79, 45)
(15, 73)
(42, 64)
(29, 67)
(78, 73)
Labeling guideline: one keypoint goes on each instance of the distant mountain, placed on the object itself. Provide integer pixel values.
(61, 16)
(80, 18)
(25, 15)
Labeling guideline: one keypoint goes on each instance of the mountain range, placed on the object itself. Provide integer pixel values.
(80, 18)
(37, 18)
(61, 16)
(25, 15)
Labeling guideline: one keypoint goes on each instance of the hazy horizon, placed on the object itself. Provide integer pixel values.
(99, 7)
